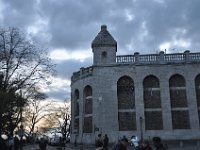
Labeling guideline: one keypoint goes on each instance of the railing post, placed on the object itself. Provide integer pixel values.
(161, 58)
(136, 55)
(81, 71)
(187, 55)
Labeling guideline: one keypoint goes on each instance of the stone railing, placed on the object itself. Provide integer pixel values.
(159, 58)
(137, 59)
(84, 72)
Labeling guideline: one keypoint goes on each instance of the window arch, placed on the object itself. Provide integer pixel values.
(76, 110)
(87, 124)
(125, 93)
(126, 104)
(88, 99)
(76, 102)
(151, 89)
(197, 88)
(178, 98)
(152, 103)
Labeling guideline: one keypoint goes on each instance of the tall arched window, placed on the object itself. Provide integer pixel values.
(197, 88)
(126, 104)
(179, 106)
(76, 110)
(88, 125)
(76, 103)
(152, 103)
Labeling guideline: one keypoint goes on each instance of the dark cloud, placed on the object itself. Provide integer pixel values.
(66, 68)
(137, 25)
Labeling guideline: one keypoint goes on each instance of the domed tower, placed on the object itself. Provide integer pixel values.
(104, 48)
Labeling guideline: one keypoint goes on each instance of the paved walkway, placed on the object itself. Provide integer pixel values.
(71, 147)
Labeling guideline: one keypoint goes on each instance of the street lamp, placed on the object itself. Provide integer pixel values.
(141, 129)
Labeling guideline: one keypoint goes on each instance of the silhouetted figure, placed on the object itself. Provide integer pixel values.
(16, 143)
(99, 143)
(2, 143)
(105, 142)
(42, 144)
(158, 143)
(121, 145)
(144, 146)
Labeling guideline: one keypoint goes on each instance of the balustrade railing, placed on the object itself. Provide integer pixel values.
(160, 58)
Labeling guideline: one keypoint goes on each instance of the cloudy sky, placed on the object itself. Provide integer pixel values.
(67, 28)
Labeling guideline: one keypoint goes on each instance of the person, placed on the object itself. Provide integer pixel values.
(121, 145)
(42, 144)
(145, 146)
(134, 141)
(105, 142)
(16, 143)
(99, 143)
(158, 143)
(2, 143)
(10, 142)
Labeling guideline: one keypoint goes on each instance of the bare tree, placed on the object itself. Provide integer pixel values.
(23, 65)
(60, 119)
(36, 110)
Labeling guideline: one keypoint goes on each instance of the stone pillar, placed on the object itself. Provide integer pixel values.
(161, 58)
(139, 102)
(136, 55)
(165, 104)
(192, 103)
(187, 55)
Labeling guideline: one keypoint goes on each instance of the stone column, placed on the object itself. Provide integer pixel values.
(161, 57)
(136, 55)
(192, 103)
(139, 102)
(165, 104)
(187, 55)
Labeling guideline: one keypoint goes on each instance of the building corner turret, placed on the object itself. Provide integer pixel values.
(104, 48)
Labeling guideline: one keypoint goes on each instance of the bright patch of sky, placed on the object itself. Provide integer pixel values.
(62, 54)
(56, 85)
(129, 15)
(2, 7)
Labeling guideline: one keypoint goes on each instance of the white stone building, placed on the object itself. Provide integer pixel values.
(143, 95)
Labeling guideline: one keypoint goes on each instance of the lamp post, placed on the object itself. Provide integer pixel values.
(141, 129)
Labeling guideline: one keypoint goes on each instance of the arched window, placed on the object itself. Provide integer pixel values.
(152, 103)
(178, 98)
(76, 102)
(87, 124)
(88, 100)
(126, 104)
(76, 110)
(197, 88)
(125, 93)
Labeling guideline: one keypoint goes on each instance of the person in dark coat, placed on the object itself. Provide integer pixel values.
(105, 142)
(122, 144)
(145, 146)
(16, 143)
(99, 142)
(42, 144)
(2, 143)
(158, 143)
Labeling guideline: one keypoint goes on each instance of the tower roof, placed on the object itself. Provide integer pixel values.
(104, 38)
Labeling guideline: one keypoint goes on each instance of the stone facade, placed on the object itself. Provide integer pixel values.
(143, 95)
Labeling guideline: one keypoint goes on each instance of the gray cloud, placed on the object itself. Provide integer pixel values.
(137, 25)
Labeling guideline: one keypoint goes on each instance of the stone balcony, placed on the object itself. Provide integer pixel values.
(148, 59)
(160, 58)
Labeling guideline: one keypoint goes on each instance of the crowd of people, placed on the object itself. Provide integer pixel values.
(101, 143)
(11, 143)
